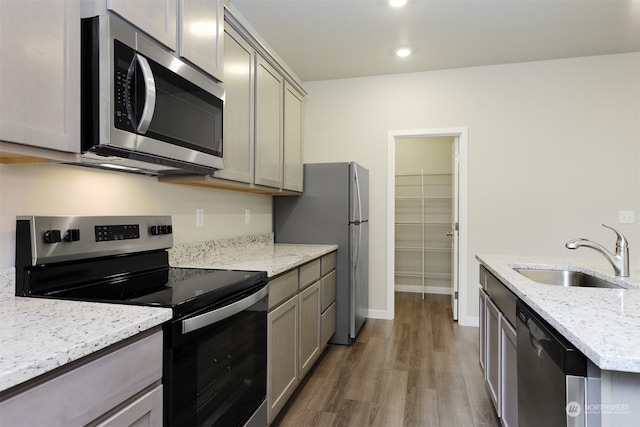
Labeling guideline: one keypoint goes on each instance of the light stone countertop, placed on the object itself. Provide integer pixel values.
(602, 323)
(253, 253)
(39, 335)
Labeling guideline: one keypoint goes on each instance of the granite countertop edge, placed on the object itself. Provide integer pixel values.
(604, 324)
(39, 335)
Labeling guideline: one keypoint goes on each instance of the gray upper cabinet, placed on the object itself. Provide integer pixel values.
(262, 118)
(292, 144)
(40, 73)
(201, 35)
(158, 18)
(239, 60)
(269, 141)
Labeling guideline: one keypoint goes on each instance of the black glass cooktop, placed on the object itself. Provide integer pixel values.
(186, 290)
(190, 290)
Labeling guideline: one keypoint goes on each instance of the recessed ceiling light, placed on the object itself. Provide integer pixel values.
(397, 3)
(403, 52)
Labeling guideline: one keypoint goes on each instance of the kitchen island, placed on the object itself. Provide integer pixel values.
(602, 323)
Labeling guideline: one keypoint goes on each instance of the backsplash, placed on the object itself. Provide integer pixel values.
(52, 189)
(200, 251)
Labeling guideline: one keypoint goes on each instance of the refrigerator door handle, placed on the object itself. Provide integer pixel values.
(359, 213)
(354, 279)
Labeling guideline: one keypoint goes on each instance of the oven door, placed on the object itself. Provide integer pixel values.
(215, 365)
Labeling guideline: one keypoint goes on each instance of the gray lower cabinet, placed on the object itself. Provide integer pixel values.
(509, 374)
(492, 340)
(300, 321)
(282, 355)
(120, 386)
(309, 301)
(498, 347)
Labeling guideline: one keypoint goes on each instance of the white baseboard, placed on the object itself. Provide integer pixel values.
(378, 314)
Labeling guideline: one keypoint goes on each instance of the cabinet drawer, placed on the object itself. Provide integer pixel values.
(81, 395)
(504, 299)
(309, 273)
(328, 263)
(144, 411)
(328, 324)
(328, 290)
(282, 288)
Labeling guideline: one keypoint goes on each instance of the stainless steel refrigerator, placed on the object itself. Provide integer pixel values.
(334, 209)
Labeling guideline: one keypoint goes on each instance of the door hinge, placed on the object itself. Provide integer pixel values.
(455, 295)
(456, 226)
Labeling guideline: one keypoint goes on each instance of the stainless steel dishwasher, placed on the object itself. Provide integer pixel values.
(552, 374)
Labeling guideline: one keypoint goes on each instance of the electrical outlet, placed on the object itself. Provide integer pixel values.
(199, 217)
(626, 217)
(247, 216)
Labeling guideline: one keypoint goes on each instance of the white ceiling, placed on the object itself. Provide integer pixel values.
(331, 39)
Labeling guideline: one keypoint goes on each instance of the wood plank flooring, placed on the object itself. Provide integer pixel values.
(420, 369)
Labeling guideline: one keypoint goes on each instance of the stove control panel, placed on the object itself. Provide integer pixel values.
(48, 239)
(105, 233)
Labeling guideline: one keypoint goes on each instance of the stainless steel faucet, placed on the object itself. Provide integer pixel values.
(619, 260)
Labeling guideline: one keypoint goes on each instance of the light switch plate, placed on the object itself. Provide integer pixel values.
(626, 217)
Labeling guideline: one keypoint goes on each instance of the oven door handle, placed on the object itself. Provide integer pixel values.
(214, 316)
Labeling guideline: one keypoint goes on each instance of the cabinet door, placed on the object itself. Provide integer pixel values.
(238, 135)
(309, 327)
(268, 145)
(40, 73)
(292, 173)
(201, 34)
(509, 374)
(482, 342)
(158, 18)
(492, 363)
(282, 355)
(146, 411)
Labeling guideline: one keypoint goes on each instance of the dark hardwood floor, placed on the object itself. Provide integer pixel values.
(420, 369)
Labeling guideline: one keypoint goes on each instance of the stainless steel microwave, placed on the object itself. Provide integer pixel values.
(145, 107)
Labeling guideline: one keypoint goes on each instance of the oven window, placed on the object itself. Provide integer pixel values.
(218, 373)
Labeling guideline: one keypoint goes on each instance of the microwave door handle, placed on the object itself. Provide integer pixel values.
(150, 94)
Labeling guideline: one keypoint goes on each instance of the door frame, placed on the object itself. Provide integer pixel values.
(461, 133)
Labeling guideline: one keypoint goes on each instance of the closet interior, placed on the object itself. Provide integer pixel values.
(423, 215)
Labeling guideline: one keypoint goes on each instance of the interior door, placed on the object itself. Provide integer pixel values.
(454, 228)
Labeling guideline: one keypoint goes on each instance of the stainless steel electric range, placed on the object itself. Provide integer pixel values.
(214, 371)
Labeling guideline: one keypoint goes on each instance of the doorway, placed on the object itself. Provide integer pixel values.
(426, 215)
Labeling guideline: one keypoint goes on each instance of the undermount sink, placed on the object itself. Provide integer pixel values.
(565, 278)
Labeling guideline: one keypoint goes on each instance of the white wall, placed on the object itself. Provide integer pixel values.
(49, 189)
(554, 149)
(429, 154)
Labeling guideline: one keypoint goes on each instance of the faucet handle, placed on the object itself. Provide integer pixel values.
(621, 242)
